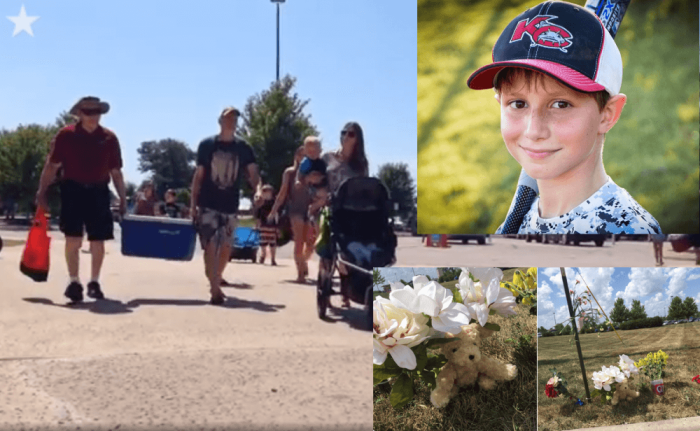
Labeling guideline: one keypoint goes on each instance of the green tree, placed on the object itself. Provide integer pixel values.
(558, 328)
(274, 124)
(567, 330)
(377, 278)
(619, 313)
(689, 307)
(170, 163)
(23, 152)
(675, 310)
(637, 310)
(397, 178)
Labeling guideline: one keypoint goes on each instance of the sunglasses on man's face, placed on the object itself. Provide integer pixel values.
(91, 111)
(348, 133)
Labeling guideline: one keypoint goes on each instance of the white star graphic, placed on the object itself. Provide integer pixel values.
(23, 22)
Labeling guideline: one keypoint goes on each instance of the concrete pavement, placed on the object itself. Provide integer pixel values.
(156, 355)
(507, 252)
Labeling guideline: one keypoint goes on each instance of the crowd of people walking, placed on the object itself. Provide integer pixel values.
(89, 157)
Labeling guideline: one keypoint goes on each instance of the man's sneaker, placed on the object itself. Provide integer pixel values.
(74, 292)
(94, 291)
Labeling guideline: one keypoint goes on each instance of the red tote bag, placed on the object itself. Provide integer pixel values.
(35, 259)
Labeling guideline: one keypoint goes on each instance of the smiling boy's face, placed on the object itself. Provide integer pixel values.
(551, 130)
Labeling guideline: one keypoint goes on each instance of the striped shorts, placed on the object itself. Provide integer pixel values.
(268, 236)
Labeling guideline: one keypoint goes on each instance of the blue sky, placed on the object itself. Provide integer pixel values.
(406, 274)
(169, 67)
(654, 287)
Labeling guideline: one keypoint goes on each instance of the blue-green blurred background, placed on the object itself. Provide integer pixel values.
(466, 178)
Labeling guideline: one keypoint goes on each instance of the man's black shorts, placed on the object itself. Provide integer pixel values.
(86, 206)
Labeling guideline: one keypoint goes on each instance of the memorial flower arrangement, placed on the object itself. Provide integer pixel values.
(524, 288)
(416, 318)
(653, 365)
(557, 387)
(607, 379)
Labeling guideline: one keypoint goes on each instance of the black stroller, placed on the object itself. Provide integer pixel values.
(362, 238)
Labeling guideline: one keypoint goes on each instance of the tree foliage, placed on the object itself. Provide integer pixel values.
(274, 124)
(170, 163)
(690, 308)
(675, 310)
(619, 313)
(23, 152)
(397, 178)
(637, 311)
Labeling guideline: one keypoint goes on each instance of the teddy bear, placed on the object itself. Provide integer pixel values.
(623, 392)
(466, 365)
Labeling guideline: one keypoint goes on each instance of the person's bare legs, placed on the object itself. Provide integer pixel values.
(224, 254)
(73, 244)
(97, 250)
(273, 249)
(211, 268)
(298, 227)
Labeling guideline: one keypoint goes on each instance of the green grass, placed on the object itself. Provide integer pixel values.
(682, 398)
(511, 406)
(466, 176)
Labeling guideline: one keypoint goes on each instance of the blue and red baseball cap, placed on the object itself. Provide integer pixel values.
(562, 40)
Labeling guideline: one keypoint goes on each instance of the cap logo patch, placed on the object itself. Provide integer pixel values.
(543, 33)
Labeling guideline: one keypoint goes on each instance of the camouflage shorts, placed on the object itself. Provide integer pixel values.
(212, 224)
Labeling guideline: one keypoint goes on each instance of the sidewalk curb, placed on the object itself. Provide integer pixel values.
(685, 424)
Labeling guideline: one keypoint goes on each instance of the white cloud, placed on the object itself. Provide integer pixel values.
(643, 282)
(677, 282)
(544, 305)
(656, 306)
(547, 319)
(694, 276)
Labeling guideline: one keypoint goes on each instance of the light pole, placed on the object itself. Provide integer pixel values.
(278, 36)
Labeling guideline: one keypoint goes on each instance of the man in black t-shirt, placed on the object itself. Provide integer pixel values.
(221, 161)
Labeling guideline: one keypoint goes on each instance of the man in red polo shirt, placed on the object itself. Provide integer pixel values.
(90, 157)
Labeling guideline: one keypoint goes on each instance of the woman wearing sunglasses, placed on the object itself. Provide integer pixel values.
(349, 161)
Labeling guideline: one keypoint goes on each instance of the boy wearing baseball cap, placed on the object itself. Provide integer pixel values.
(557, 75)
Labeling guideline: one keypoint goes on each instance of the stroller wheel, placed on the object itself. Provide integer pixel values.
(323, 291)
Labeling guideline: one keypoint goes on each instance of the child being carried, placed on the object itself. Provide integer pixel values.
(312, 174)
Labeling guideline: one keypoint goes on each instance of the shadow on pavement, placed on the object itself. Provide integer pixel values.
(104, 306)
(111, 306)
(255, 305)
(225, 283)
(354, 317)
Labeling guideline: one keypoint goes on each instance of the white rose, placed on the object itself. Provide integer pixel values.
(627, 366)
(396, 330)
(432, 299)
(486, 294)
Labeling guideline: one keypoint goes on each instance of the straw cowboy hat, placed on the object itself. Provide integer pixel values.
(89, 101)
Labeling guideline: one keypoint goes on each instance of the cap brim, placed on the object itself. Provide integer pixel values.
(483, 78)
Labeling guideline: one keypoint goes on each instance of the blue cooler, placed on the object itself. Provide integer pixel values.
(245, 244)
(159, 237)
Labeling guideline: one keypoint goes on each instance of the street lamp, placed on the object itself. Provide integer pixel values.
(278, 36)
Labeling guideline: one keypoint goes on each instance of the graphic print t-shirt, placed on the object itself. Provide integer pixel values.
(224, 163)
(609, 210)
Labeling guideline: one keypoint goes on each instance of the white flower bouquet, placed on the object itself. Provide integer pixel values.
(606, 380)
(416, 318)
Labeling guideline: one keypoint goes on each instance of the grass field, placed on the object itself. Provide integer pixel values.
(682, 397)
(511, 406)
